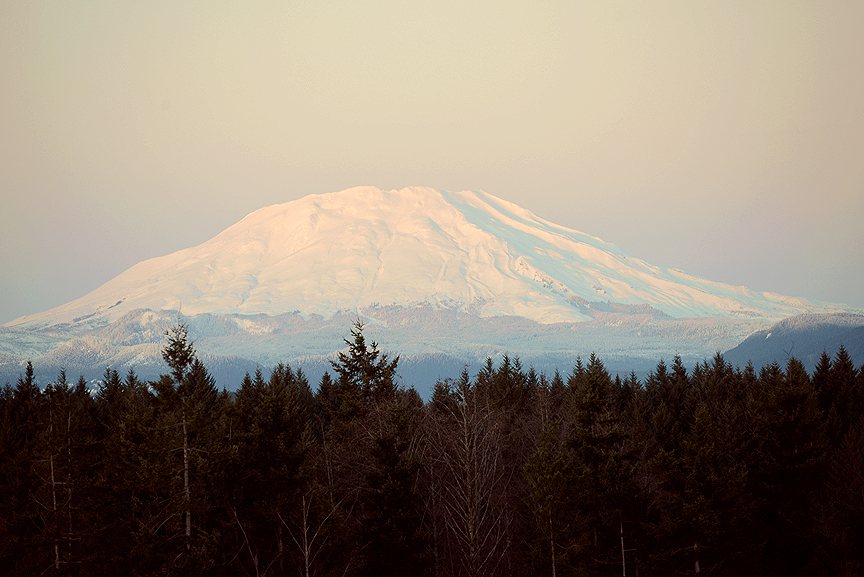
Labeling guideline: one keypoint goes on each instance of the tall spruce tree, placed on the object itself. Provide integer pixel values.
(787, 466)
(186, 400)
(555, 521)
(268, 468)
(365, 374)
(607, 494)
(391, 532)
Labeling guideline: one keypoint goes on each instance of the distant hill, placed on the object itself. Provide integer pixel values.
(431, 342)
(804, 337)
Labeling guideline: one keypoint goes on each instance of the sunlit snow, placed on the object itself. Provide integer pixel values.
(361, 247)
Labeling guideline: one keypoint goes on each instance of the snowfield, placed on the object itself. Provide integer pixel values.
(442, 278)
(348, 250)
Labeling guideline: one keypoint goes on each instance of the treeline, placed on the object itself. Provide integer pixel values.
(716, 471)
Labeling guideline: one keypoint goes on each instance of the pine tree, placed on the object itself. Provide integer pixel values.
(603, 481)
(136, 479)
(21, 552)
(186, 402)
(787, 465)
(365, 383)
(704, 516)
(554, 514)
(843, 378)
(365, 374)
(391, 531)
(268, 467)
(844, 504)
(821, 381)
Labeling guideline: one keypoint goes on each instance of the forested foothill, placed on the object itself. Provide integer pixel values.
(716, 470)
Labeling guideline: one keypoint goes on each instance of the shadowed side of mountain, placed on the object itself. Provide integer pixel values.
(804, 337)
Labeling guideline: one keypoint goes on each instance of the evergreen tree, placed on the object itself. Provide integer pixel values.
(665, 399)
(843, 381)
(787, 466)
(704, 515)
(21, 552)
(505, 386)
(267, 468)
(391, 531)
(723, 471)
(365, 383)
(822, 383)
(445, 397)
(556, 386)
(554, 514)
(63, 461)
(365, 374)
(603, 481)
(136, 477)
(843, 524)
(185, 403)
(179, 352)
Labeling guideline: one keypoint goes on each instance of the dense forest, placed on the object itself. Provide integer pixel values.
(718, 470)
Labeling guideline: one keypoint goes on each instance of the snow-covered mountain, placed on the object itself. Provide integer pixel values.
(443, 279)
(804, 337)
(361, 247)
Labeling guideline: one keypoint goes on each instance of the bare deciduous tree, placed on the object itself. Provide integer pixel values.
(471, 482)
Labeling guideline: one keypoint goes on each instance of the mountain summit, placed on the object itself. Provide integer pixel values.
(362, 247)
(444, 279)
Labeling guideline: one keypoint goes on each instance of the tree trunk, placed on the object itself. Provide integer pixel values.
(69, 484)
(186, 490)
(306, 546)
(623, 562)
(54, 510)
(280, 547)
(474, 485)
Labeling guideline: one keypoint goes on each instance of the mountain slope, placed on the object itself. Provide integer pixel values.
(804, 337)
(362, 247)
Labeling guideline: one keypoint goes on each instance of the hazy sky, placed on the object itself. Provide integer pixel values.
(722, 138)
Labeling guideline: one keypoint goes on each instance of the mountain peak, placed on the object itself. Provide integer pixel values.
(343, 251)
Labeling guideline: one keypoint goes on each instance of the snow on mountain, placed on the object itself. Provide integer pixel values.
(363, 247)
(805, 337)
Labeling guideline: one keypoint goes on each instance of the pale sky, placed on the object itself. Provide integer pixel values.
(722, 138)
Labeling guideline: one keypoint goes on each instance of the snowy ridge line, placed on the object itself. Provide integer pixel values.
(327, 253)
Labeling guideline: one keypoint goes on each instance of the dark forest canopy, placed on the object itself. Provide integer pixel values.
(718, 470)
